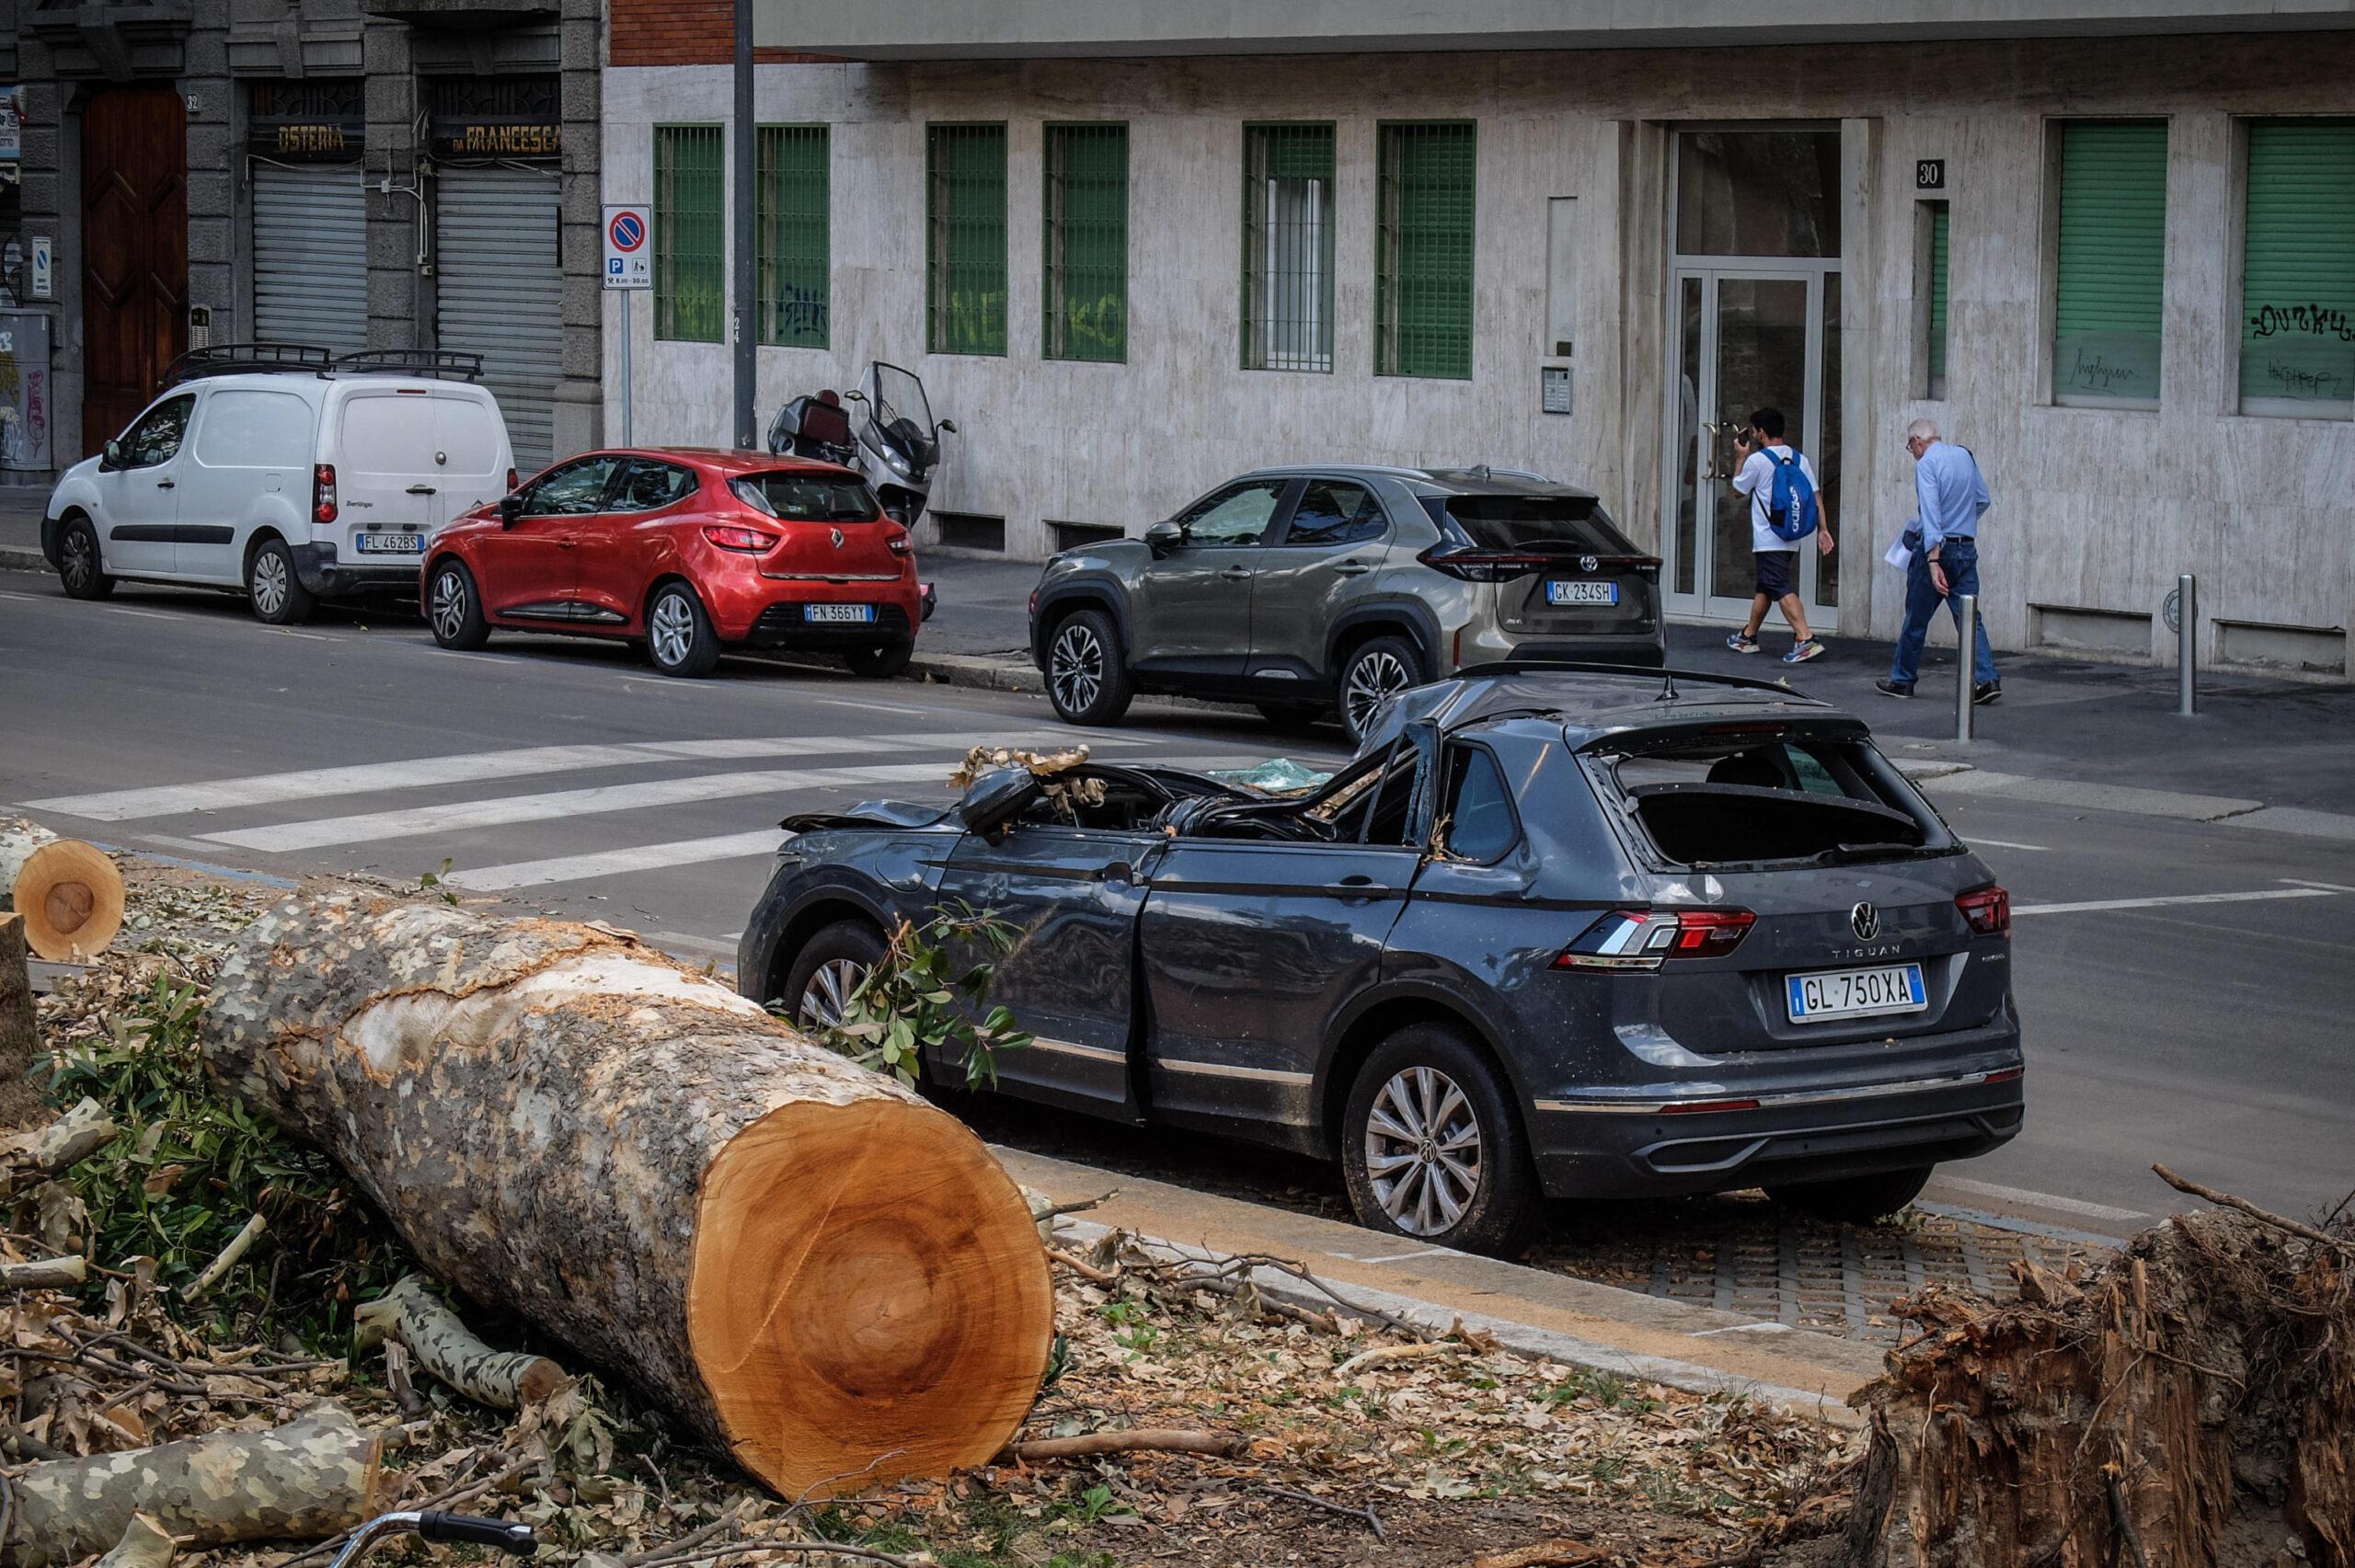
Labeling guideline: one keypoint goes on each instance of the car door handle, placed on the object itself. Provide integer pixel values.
(1350, 569)
(1237, 574)
(1354, 882)
(167, 484)
(1119, 871)
(420, 490)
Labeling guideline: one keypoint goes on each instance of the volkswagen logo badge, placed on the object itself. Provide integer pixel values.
(838, 537)
(1588, 563)
(1865, 920)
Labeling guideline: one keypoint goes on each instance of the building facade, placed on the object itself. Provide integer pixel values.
(1130, 263)
(356, 174)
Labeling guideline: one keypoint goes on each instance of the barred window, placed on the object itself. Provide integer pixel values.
(1288, 247)
(965, 239)
(792, 213)
(690, 224)
(1423, 265)
(1086, 242)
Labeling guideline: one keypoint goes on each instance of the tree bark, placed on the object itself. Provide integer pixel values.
(69, 893)
(444, 1345)
(145, 1544)
(70, 1138)
(801, 1261)
(19, 1032)
(309, 1478)
(43, 1274)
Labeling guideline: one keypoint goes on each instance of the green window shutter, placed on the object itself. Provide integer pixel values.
(690, 238)
(1937, 344)
(965, 239)
(1086, 242)
(791, 214)
(2298, 269)
(1288, 247)
(1423, 273)
(2110, 282)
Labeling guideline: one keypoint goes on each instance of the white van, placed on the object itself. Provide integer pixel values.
(285, 474)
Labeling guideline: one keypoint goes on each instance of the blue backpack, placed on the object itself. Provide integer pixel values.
(1790, 505)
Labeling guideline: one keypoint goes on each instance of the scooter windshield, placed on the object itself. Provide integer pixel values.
(901, 417)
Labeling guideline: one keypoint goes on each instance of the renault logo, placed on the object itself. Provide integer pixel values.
(838, 537)
(1588, 563)
(1865, 920)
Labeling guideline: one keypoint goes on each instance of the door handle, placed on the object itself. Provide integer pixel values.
(167, 484)
(1708, 450)
(1350, 570)
(1354, 882)
(1237, 574)
(1119, 871)
(420, 490)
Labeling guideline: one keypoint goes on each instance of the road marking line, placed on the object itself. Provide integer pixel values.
(307, 636)
(372, 827)
(615, 862)
(1398, 1257)
(2097, 904)
(146, 614)
(2309, 882)
(2003, 844)
(698, 943)
(2039, 1200)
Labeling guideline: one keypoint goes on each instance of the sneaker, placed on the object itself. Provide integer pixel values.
(1801, 652)
(1987, 691)
(1740, 644)
(1893, 688)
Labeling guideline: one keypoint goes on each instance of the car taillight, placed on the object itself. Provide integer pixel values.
(1988, 910)
(746, 539)
(900, 543)
(1640, 939)
(1474, 564)
(323, 502)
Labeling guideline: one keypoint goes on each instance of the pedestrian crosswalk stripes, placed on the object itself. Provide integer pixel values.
(614, 862)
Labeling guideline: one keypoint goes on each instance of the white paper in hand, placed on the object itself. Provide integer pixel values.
(1899, 556)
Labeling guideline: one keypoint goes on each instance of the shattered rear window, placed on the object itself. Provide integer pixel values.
(1732, 800)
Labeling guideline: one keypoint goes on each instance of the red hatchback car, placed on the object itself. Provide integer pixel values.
(689, 551)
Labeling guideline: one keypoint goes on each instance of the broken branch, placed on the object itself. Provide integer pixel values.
(1142, 1440)
(2227, 1200)
(1371, 1522)
(145, 1544)
(447, 1349)
(43, 1274)
(239, 1245)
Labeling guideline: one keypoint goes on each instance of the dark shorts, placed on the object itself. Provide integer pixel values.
(1775, 574)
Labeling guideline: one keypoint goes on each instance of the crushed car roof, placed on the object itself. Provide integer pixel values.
(1592, 700)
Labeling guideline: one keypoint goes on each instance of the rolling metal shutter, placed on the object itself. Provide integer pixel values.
(2109, 284)
(310, 256)
(2298, 270)
(503, 294)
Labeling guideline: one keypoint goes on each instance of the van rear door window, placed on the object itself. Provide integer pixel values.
(386, 432)
(467, 433)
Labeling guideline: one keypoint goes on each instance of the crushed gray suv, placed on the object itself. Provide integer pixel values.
(1321, 590)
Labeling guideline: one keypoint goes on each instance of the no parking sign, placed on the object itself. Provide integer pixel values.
(629, 258)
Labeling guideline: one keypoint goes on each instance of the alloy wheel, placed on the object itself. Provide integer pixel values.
(1422, 1152)
(825, 1001)
(1076, 668)
(1376, 676)
(449, 605)
(269, 582)
(672, 629)
(79, 562)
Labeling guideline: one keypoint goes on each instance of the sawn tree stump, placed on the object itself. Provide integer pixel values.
(798, 1258)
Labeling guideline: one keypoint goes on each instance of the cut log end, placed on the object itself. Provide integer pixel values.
(908, 1318)
(71, 895)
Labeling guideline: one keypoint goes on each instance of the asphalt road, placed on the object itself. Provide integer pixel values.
(2187, 988)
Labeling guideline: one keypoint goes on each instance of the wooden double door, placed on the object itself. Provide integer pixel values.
(134, 251)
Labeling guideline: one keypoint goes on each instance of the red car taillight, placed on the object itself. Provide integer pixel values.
(1474, 564)
(323, 502)
(1641, 939)
(900, 543)
(1988, 910)
(751, 541)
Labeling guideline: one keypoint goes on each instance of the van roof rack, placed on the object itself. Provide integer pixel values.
(411, 361)
(234, 359)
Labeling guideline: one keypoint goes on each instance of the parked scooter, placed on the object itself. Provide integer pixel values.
(889, 435)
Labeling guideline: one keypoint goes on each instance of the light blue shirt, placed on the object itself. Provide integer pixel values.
(1951, 493)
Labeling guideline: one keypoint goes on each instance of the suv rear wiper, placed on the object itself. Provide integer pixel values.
(1839, 854)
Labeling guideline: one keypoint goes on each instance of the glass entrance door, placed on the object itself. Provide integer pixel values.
(1747, 338)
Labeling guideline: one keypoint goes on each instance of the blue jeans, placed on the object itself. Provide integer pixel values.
(1960, 559)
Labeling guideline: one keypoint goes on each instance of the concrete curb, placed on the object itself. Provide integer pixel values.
(16, 558)
(981, 672)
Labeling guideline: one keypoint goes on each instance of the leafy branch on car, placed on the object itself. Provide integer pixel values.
(917, 999)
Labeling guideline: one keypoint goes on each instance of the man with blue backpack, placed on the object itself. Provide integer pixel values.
(1785, 508)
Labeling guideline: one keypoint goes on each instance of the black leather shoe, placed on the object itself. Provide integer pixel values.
(1892, 688)
(1987, 691)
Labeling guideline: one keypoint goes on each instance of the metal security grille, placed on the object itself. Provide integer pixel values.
(500, 292)
(1086, 242)
(2298, 270)
(1423, 268)
(1937, 345)
(965, 239)
(2112, 250)
(1288, 247)
(792, 212)
(310, 256)
(690, 232)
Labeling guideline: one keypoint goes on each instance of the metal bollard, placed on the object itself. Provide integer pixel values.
(1965, 649)
(2187, 645)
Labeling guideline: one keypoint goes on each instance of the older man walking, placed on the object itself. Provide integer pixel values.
(1945, 562)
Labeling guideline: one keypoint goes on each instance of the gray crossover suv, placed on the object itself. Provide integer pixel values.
(1556, 932)
(1316, 591)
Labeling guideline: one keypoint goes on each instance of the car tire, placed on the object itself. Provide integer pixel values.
(1087, 673)
(277, 594)
(679, 639)
(453, 608)
(80, 567)
(829, 965)
(880, 662)
(1375, 669)
(1855, 1200)
(1291, 715)
(1423, 1067)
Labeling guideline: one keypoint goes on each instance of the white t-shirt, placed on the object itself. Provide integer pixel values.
(1756, 480)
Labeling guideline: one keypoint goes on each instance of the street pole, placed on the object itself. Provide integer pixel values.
(1966, 650)
(2187, 645)
(747, 364)
(625, 397)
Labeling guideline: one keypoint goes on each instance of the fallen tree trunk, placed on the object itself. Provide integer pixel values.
(412, 1315)
(312, 1477)
(19, 1032)
(798, 1259)
(70, 894)
(2192, 1402)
